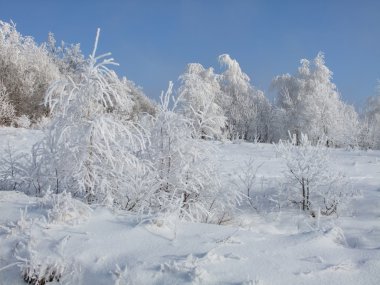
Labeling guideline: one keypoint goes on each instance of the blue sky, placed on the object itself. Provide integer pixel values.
(154, 40)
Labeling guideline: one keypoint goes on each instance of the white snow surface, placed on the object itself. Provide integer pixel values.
(268, 245)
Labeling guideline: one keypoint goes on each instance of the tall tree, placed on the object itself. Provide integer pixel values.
(7, 111)
(245, 106)
(311, 104)
(372, 117)
(88, 150)
(198, 94)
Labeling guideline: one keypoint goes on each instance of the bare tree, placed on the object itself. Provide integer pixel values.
(312, 183)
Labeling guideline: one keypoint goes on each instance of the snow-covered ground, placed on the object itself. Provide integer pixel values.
(267, 245)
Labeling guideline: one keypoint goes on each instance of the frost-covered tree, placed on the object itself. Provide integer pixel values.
(68, 57)
(187, 181)
(245, 107)
(26, 70)
(310, 103)
(372, 120)
(349, 131)
(71, 62)
(199, 93)
(261, 128)
(12, 169)
(141, 103)
(7, 111)
(88, 150)
(311, 181)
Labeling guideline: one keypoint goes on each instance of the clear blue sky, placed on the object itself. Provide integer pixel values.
(154, 40)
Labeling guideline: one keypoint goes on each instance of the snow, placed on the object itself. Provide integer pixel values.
(272, 244)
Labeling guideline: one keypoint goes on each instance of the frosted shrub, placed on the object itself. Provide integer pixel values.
(62, 208)
(13, 170)
(41, 123)
(247, 180)
(187, 178)
(89, 150)
(37, 269)
(22, 122)
(36, 265)
(42, 273)
(311, 182)
(247, 176)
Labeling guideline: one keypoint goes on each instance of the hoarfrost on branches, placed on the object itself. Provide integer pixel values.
(199, 96)
(88, 150)
(246, 108)
(187, 177)
(311, 104)
(313, 185)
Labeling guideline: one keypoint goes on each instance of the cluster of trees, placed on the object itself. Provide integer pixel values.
(99, 150)
(106, 142)
(227, 105)
(220, 106)
(371, 123)
(28, 69)
(224, 105)
(309, 103)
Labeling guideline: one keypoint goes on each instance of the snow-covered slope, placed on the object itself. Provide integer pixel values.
(270, 245)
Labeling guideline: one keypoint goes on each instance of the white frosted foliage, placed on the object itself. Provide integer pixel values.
(89, 150)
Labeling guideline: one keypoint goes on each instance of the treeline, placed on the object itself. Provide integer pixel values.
(106, 143)
(220, 106)
(28, 69)
(227, 105)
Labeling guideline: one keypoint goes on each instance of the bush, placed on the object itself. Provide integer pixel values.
(311, 181)
(88, 149)
(187, 181)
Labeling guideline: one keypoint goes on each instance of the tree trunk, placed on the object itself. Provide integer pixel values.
(303, 194)
(307, 195)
